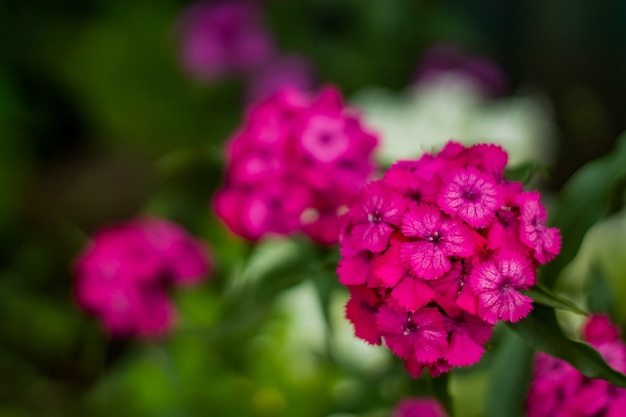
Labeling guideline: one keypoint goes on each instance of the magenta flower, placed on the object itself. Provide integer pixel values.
(355, 270)
(292, 72)
(375, 217)
(454, 285)
(444, 245)
(545, 241)
(223, 38)
(123, 274)
(472, 196)
(294, 166)
(408, 292)
(467, 335)
(557, 389)
(438, 238)
(598, 329)
(497, 284)
(419, 407)
(362, 310)
(446, 58)
(421, 335)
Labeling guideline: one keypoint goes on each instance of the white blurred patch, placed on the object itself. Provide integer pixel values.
(427, 115)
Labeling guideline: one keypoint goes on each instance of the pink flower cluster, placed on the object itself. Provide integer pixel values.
(223, 37)
(228, 37)
(559, 390)
(123, 274)
(419, 407)
(437, 251)
(294, 165)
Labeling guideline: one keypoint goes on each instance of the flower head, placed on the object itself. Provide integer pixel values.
(221, 38)
(557, 389)
(441, 243)
(294, 165)
(123, 274)
(419, 407)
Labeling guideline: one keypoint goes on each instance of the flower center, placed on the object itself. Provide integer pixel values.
(435, 237)
(471, 194)
(375, 217)
(409, 328)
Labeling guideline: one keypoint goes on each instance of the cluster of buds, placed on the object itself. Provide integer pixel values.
(439, 250)
(123, 275)
(294, 165)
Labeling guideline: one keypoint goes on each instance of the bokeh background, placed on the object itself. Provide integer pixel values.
(100, 121)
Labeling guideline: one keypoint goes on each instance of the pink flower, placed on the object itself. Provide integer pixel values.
(557, 389)
(472, 196)
(454, 285)
(377, 213)
(419, 407)
(294, 166)
(440, 242)
(420, 189)
(362, 310)
(123, 274)
(484, 73)
(420, 335)
(497, 284)
(467, 336)
(598, 330)
(282, 72)
(546, 242)
(408, 292)
(438, 239)
(221, 38)
(355, 270)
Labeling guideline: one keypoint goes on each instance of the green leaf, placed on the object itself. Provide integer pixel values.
(599, 294)
(441, 392)
(589, 195)
(544, 296)
(542, 331)
(510, 376)
(521, 173)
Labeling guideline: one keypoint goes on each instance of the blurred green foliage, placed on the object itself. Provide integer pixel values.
(99, 123)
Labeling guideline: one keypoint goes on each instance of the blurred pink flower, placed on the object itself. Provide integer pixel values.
(222, 38)
(123, 274)
(447, 58)
(557, 389)
(419, 407)
(294, 165)
(281, 72)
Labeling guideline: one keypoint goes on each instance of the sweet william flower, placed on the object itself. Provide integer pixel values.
(421, 335)
(294, 165)
(437, 239)
(497, 284)
(446, 244)
(123, 274)
(408, 292)
(419, 407)
(222, 38)
(557, 389)
(545, 241)
(361, 310)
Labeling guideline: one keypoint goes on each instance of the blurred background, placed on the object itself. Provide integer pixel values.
(112, 109)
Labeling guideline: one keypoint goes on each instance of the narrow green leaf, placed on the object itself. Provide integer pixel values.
(542, 331)
(546, 297)
(590, 195)
(510, 377)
